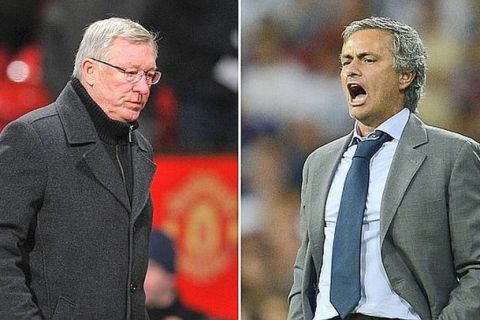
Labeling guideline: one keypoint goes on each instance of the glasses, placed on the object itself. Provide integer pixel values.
(133, 76)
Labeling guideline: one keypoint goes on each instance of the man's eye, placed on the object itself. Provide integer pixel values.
(150, 75)
(369, 60)
(344, 63)
(131, 73)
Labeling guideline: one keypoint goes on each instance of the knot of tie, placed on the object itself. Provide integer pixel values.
(368, 147)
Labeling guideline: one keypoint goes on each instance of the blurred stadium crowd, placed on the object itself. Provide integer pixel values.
(194, 107)
(292, 103)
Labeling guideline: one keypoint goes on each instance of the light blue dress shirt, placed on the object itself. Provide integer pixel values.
(377, 297)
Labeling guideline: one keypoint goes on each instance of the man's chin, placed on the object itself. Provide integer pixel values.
(131, 116)
(358, 112)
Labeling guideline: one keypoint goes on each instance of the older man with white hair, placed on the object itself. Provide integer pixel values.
(75, 210)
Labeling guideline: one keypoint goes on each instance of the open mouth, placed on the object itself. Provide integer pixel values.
(358, 95)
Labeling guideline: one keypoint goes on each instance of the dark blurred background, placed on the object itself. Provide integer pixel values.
(292, 103)
(191, 119)
(194, 107)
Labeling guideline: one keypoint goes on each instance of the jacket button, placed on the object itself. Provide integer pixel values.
(133, 287)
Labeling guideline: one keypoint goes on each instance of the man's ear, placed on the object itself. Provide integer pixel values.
(88, 71)
(405, 79)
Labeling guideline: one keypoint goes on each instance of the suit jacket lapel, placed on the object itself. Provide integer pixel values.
(322, 172)
(405, 164)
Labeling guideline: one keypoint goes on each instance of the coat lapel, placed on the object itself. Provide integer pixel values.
(105, 171)
(407, 161)
(143, 170)
(80, 133)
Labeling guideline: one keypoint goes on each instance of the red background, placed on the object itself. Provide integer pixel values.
(195, 202)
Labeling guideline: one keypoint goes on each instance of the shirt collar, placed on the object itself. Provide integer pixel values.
(393, 126)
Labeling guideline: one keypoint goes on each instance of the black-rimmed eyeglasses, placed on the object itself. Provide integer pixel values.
(133, 76)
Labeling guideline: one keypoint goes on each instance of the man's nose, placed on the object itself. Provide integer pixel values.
(352, 69)
(142, 86)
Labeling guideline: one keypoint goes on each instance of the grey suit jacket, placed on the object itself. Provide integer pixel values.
(429, 223)
(71, 244)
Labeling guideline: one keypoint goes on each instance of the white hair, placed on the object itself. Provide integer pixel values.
(99, 36)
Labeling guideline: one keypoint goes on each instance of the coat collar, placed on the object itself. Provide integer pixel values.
(76, 121)
(77, 124)
(80, 131)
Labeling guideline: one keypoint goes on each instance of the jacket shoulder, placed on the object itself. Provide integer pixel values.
(39, 115)
(442, 135)
(40, 121)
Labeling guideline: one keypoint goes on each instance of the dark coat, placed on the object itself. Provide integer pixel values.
(71, 245)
